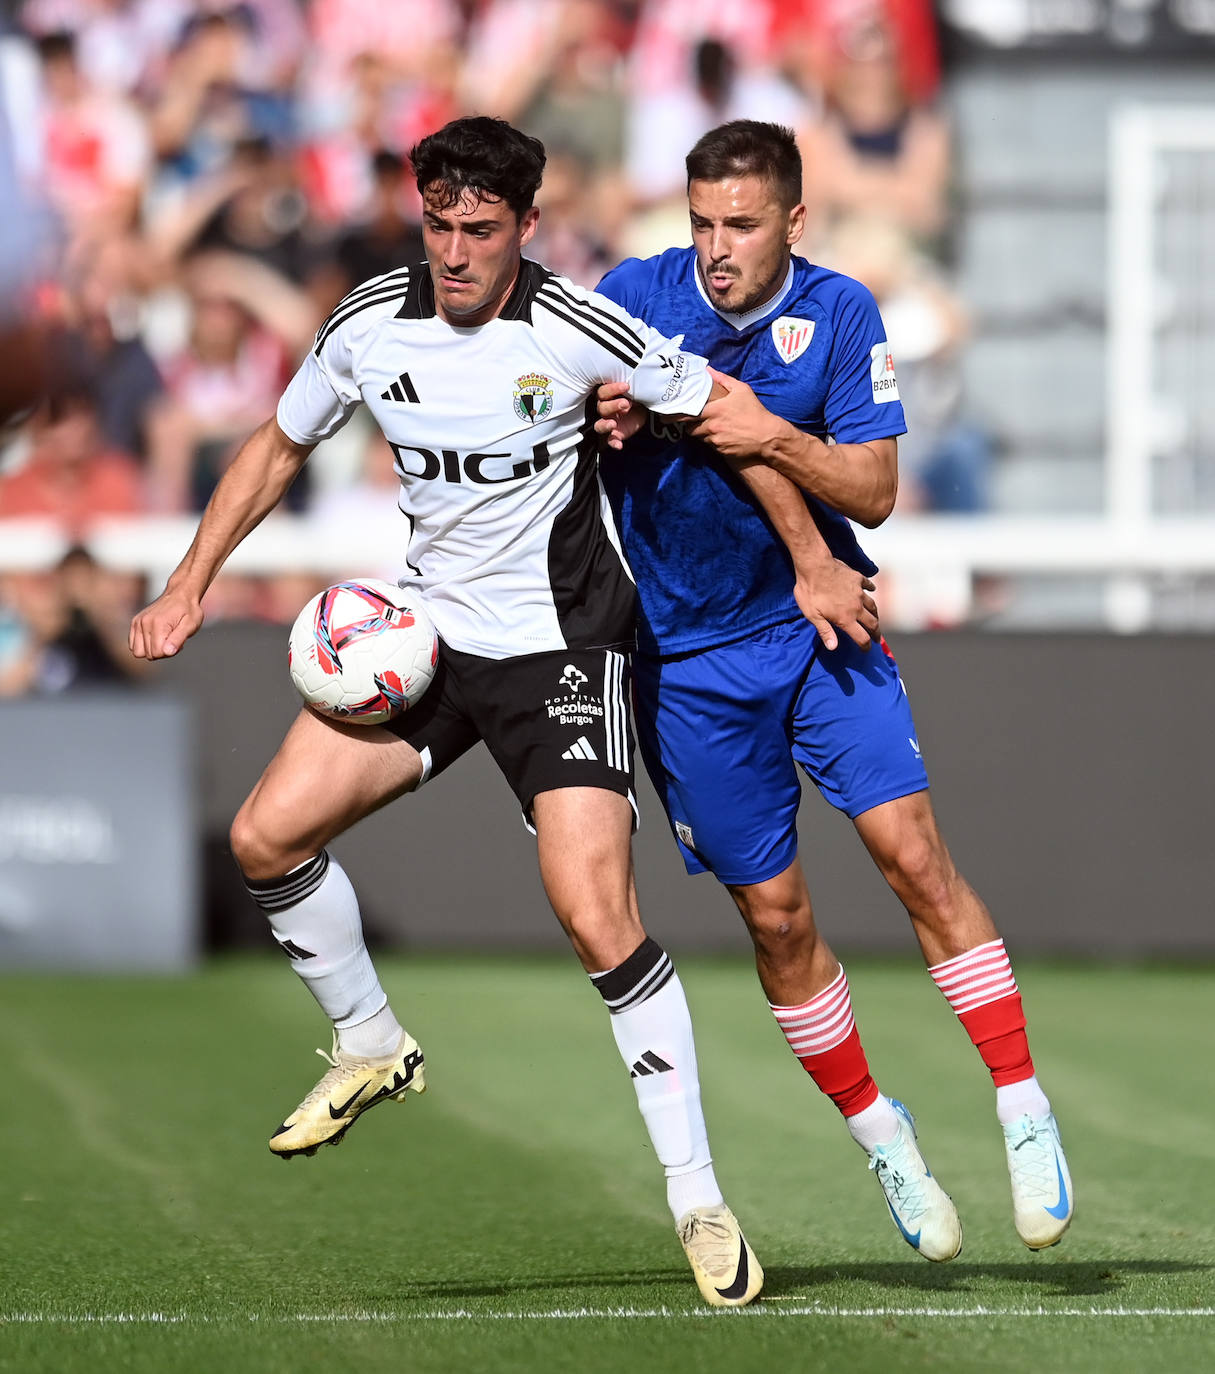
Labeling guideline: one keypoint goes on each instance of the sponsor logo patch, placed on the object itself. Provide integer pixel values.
(677, 365)
(881, 373)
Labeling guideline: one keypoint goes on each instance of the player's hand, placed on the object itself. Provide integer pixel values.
(159, 630)
(620, 417)
(831, 594)
(736, 424)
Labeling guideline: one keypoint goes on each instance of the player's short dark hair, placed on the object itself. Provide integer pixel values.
(485, 156)
(750, 147)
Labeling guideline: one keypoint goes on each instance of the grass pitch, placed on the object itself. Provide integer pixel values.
(513, 1217)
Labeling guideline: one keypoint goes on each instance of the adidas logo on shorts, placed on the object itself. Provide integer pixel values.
(580, 749)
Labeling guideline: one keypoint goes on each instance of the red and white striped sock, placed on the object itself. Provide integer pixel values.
(823, 1035)
(980, 987)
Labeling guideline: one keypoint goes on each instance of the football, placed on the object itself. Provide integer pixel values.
(363, 651)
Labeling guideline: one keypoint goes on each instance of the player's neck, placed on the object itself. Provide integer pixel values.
(741, 319)
(489, 311)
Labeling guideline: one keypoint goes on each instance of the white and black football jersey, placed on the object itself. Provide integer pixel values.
(509, 536)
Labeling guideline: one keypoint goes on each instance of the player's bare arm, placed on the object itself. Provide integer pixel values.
(254, 483)
(858, 480)
(828, 591)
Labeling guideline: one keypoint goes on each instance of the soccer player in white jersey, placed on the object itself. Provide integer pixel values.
(480, 367)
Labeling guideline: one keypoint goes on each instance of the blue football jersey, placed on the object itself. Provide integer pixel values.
(709, 566)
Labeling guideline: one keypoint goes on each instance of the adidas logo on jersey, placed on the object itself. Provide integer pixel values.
(401, 390)
(580, 749)
(650, 1063)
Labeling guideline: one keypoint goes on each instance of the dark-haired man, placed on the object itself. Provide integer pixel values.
(734, 688)
(480, 367)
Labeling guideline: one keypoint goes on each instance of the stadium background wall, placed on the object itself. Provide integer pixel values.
(1072, 774)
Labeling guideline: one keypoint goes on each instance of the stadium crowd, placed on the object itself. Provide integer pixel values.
(207, 179)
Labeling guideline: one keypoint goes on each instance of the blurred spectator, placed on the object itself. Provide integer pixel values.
(254, 205)
(567, 89)
(70, 475)
(101, 342)
(213, 95)
(875, 150)
(571, 238)
(66, 628)
(696, 66)
(813, 36)
(97, 153)
(274, 600)
(379, 76)
(945, 457)
(121, 43)
(388, 236)
(247, 325)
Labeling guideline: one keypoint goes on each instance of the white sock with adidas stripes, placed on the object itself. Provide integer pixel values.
(314, 915)
(653, 1031)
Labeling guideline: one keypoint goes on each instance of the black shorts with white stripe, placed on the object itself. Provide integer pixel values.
(550, 720)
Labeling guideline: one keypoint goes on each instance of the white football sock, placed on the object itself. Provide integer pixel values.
(877, 1124)
(314, 915)
(1015, 1100)
(653, 1032)
(375, 1038)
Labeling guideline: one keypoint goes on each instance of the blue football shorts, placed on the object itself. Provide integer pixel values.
(721, 732)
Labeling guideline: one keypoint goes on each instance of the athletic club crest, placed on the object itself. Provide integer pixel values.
(792, 336)
(533, 397)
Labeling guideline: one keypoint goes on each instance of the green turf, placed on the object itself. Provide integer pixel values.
(450, 1233)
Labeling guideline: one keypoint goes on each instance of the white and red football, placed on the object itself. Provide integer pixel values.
(363, 651)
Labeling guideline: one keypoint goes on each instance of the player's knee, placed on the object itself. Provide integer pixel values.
(922, 874)
(603, 937)
(780, 928)
(260, 848)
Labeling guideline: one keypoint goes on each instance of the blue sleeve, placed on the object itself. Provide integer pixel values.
(629, 285)
(863, 396)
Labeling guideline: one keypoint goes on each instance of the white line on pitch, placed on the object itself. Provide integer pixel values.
(590, 1314)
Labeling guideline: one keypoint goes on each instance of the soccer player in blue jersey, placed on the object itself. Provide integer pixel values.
(735, 686)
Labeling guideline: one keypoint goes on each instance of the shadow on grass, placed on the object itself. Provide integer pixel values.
(1045, 1279)
(1061, 1279)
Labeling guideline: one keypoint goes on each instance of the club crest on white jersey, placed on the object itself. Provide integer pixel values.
(533, 397)
(791, 336)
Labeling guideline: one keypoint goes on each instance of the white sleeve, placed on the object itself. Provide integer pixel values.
(667, 379)
(610, 345)
(319, 399)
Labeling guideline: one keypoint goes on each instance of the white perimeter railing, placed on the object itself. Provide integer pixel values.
(949, 550)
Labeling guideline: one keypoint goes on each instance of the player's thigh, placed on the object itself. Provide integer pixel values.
(714, 730)
(854, 733)
(326, 775)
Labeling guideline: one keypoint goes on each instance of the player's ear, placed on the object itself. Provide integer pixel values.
(797, 225)
(527, 225)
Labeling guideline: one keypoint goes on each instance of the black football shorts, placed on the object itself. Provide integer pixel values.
(550, 720)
